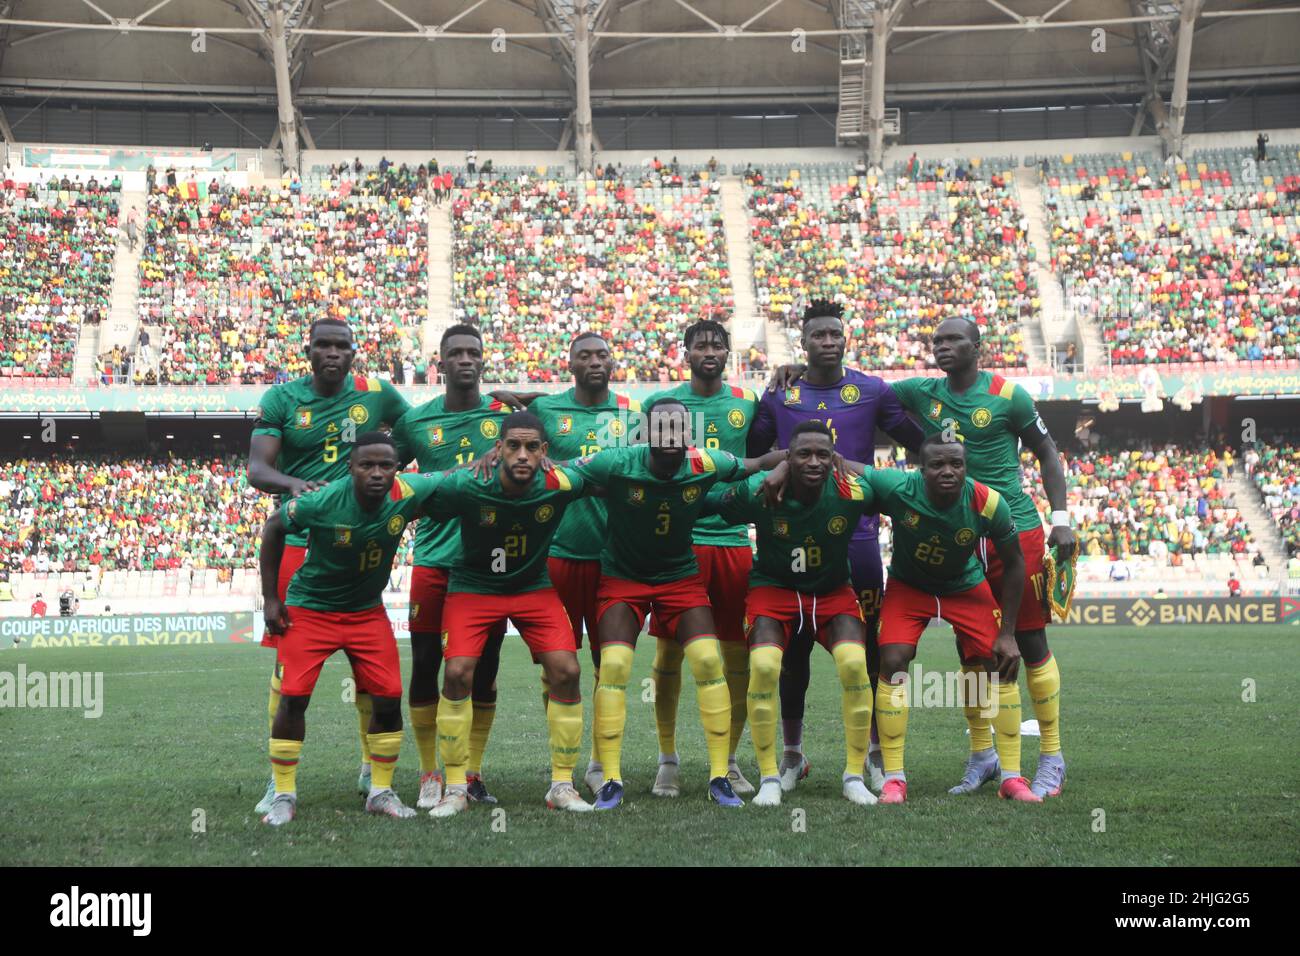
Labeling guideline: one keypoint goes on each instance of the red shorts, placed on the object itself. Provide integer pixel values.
(788, 608)
(667, 602)
(1033, 614)
(974, 614)
(290, 561)
(577, 583)
(473, 618)
(725, 571)
(428, 595)
(366, 637)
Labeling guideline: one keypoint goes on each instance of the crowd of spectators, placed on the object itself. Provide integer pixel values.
(57, 240)
(233, 276)
(1276, 472)
(74, 513)
(901, 254)
(1164, 502)
(536, 260)
(1179, 269)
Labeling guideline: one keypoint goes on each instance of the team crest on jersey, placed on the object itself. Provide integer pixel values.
(736, 418)
(837, 525)
(690, 493)
(566, 424)
(982, 417)
(965, 536)
(435, 435)
(543, 514)
(850, 394)
(359, 414)
(636, 494)
(487, 517)
(342, 537)
(303, 418)
(781, 527)
(911, 518)
(395, 525)
(792, 396)
(489, 428)
(616, 427)
(936, 409)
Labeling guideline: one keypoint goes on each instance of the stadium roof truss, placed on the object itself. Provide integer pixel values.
(429, 54)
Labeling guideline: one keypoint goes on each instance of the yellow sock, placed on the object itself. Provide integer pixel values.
(383, 753)
(978, 718)
(363, 719)
(855, 703)
(479, 729)
(1045, 694)
(546, 692)
(284, 764)
(424, 724)
(668, 688)
(764, 677)
(713, 698)
(611, 707)
(273, 704)
(1006, 725)
(453, 737)
(564, 720)
(891, 722)
(735, 661)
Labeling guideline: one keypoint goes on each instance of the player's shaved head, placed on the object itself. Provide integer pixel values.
(585, 341)
(956, 344)
(591, 364)
(330, 326)
(943, 468)
(330, 350)
(937, 443)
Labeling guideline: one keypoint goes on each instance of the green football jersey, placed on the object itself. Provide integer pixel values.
(800, 548)
(577, 431)
(990, 416)
(438, 440)
(350, 550)
(313, 429)
(934, 548)
(721, 422)
(651, 521)
(505, 539)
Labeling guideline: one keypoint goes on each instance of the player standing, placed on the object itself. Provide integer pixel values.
(578, 423)
(506, 523)
(853, 405)
(450, 430)
(994, 418)
(301, 441)
(335, 602)
(654, 495)
(801, 579)
(939, 518)
(722, 415)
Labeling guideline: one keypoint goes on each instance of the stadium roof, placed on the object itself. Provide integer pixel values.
(483, 54)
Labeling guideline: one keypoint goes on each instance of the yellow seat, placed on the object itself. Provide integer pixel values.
(1126, 156)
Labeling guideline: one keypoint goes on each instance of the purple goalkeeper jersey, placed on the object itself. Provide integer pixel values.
(853, 408)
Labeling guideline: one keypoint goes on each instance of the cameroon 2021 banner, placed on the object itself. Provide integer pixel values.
(127, 630)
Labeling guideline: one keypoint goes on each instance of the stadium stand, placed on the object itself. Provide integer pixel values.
(1156, 511)
(537, 258)
(234, 276)
(57, 241)
(902, 253)
(1182, 263)
(1276, 472)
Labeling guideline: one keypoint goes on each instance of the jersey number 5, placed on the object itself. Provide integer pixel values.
(331, 451)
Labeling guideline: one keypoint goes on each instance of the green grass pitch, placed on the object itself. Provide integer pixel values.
(1154, 726)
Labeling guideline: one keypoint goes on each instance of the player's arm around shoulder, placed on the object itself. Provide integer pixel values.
(765, 462)
(734, 503)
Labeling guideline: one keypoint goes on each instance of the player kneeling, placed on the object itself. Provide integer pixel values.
(507, 521)
(335, 603)
(939, 515)
(801, 579)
